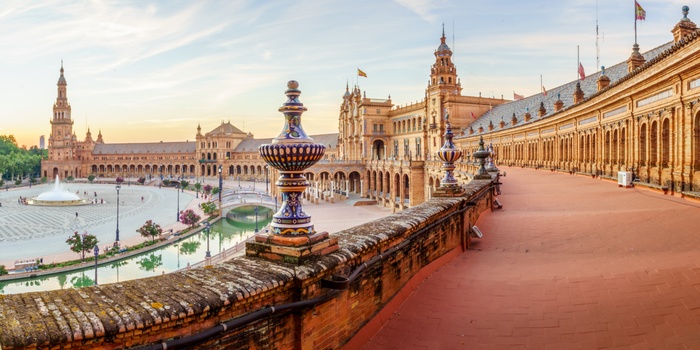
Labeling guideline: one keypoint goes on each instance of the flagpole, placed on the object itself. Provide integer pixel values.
(578, 63)
(541, 89)
(635, 21)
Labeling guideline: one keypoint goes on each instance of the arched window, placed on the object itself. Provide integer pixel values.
(665, 143)
(696, 141)
(654, 144)
(643, 144)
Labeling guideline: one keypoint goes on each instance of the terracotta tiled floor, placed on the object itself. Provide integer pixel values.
(570, 262)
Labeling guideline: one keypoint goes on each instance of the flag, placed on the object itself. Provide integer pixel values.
(473, 116)
(639, 12)
(517, 97)
(361, 73)
(581, 72)
(544, 91)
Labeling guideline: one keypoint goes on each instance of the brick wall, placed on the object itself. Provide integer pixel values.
(177, 306)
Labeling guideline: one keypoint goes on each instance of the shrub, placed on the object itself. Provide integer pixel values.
(189, 217)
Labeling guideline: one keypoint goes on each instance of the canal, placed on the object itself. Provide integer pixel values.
(180, 254)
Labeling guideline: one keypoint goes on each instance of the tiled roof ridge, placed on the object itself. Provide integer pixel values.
(650, 62)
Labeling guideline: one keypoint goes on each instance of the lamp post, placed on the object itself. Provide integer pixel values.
(97, 252)
(239, 181)
(267, 181)
(197, 188)
(256, 219)
(118, 187)
(207, 257)
(177, 189)
(221, 187)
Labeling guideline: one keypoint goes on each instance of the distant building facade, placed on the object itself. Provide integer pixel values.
(642, 115)
(42, 142)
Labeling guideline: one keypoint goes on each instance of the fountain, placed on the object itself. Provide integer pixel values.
(57, 197)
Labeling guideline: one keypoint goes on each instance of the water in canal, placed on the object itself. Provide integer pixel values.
(226, 233)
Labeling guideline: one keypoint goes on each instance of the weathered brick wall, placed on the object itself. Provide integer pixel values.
(179, 305)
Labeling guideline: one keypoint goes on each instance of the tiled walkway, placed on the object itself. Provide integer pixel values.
(570, 262)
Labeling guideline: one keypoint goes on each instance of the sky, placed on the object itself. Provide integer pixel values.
(150, 71)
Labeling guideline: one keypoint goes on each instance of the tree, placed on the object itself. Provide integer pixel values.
(189, 217)
(119, 179)
(166, 182)
(209, 208)
(3, 270)
(141, 180)
(184, 184)
(215, 191)
(91, 178)
(150, 229)
(82, 243)
(207, 188)
(197, 186)
(70, 178)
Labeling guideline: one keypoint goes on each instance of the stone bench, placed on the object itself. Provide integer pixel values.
(583, 173)
(690, 194)
(652, 186)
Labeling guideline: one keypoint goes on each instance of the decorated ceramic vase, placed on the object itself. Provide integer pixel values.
(291, 152)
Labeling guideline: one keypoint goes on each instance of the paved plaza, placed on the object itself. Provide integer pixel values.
(40, 232)
(570, 262)
(30, 232)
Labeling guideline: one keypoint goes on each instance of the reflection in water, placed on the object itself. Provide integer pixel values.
(188, 248)
(225, 234)
(81, 281)
(117, 265)
(151, 262)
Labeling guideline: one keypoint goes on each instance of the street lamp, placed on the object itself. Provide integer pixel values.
(97, 252)
(221, 187)
(118, 187)
(207, 257)
(256, 219)
(239, 181)
(177, 189)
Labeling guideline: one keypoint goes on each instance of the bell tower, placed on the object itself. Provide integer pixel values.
(443, 73)
(61, 140)
(443, 83)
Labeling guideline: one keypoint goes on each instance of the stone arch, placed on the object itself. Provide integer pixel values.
(665, 142)
(354, 185)
(378, 148)
(654, 143)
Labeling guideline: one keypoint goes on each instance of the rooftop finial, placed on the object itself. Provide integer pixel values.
(443, 29)
(685, 10)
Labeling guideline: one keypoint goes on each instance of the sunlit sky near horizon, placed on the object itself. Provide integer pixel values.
(149, 71)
